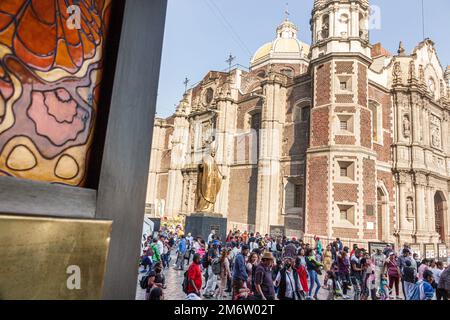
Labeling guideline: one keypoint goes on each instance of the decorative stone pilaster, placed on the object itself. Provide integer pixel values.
(180, 142)
(225, 131)
(269, 180)
(420, 186)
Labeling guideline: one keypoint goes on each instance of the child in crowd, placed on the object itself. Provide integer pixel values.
(330, 285)
(384, 288)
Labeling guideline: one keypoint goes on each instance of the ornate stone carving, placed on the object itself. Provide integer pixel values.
(435, 131)
(406, 126)
(403, 177)
(420, 179)
(409, 207)
(249, 83)
(397, 73)
(421, 74)
(401, 49)
(412, 71)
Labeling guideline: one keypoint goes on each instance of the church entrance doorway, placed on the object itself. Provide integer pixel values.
(440, 208)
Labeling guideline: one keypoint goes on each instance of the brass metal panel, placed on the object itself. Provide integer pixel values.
(43, 258)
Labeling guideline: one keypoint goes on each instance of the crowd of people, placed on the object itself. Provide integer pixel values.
(249, 266)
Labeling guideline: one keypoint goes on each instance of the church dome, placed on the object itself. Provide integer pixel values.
(285, 48)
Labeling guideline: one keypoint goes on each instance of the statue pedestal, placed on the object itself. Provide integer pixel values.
(200, 224)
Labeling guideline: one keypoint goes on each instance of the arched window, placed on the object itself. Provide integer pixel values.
(255, 121)
(293, 197)
(255, 125)
(363, 27)
(325, 32)
(301, 112)
(344, 22)
(208, 96)
(261, 74)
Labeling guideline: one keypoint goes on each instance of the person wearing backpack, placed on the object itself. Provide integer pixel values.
(240, 274)
(192, 283)
(409, 276)
(213, 253)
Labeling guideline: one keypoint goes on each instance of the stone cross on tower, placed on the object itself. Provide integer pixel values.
(286, 12)
(230, 61)
(186, 82)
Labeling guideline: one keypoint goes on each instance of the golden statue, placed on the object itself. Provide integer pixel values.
(209, 181)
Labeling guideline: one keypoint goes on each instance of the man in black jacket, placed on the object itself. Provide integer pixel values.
(444, 285)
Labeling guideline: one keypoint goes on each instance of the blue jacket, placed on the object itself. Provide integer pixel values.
(240, 271)
(182, 246)
(422, 290)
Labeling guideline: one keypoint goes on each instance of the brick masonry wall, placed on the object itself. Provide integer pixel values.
(384, 99)
(345, 233)
(245, 144)
(165, 160)
(366, 128)
(323, 85)
(384, 151)
(242, 195)
(362, 85)
(388, 179)
(296, 93)
(369, 184)
(245, 148)
(295, 139)
(242, 111)
(345, 192)
(317, 201)
(320, 127)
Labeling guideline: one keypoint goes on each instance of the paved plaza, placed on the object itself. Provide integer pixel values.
(174, 278)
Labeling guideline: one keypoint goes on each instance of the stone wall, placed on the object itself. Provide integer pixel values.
(242, 195)
(317, 201)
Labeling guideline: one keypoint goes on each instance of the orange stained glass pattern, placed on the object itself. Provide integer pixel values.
(51, 55)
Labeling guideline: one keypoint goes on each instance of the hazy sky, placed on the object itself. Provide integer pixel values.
(200, 34)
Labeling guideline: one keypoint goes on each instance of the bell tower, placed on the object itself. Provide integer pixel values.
(341, 165)
(340, 27)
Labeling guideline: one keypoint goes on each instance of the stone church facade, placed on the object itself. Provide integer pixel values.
(339, 138)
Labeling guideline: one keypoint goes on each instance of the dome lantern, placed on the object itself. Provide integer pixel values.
(286, 48)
